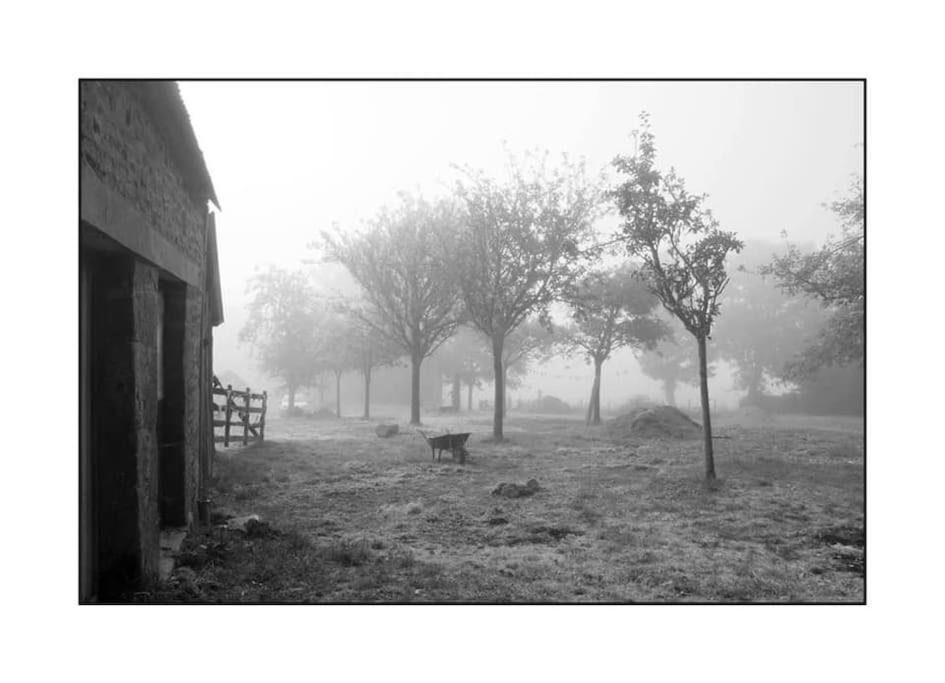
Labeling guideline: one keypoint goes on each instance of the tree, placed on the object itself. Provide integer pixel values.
(674, 361)
(403, 263)
(283, 327)
(682, 249)
(337, 353)
(763, 328)
(530, 341)
(370, 350)
(610, 310)
(520, 248)
(465, 360)
(834, 275)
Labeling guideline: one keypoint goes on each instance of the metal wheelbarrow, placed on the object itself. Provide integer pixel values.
(455, 443)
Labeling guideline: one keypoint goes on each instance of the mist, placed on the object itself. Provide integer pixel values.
(291, 159)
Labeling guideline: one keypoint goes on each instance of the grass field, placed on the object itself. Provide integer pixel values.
(356, 518)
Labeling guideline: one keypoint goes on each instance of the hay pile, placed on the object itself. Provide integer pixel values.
(660, 422)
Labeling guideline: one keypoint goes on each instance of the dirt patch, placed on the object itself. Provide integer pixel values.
(659, 422)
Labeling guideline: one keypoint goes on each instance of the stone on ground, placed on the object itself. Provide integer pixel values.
(512, 490)
(385, 431)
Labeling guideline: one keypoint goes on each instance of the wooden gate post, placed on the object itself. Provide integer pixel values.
(262, 417)
(246, 417)
(229, 414)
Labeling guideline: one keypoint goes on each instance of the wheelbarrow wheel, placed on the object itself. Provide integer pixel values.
(459, 454)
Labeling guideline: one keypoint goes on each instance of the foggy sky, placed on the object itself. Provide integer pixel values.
(290, 159)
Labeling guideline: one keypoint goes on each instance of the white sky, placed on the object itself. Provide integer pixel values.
(289, 159)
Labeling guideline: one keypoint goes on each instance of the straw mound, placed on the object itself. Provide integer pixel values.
(659, 422)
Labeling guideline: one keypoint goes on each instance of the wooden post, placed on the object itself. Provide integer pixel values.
(246, 418)
(262, 417)
(229, 413)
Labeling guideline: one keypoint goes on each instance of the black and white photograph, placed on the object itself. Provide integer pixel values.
(472, 341)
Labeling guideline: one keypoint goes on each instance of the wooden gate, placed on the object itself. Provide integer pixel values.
(236, 411)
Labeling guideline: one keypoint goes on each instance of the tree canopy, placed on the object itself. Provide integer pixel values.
(835, 276)
(521, 246)
(284, 326)
(610, 309)
(763, 328)
(404, 265)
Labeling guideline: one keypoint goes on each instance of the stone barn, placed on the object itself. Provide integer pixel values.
(149, 297)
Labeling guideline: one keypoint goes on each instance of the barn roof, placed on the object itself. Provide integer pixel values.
(163, 102)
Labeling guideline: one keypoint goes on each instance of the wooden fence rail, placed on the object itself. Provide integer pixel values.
(238, 410)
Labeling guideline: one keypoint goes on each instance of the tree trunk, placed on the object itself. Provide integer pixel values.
(292, 389)
(457, 390)
(415, 361)
(498, 372)
(338, 394)
(469, 397)
(706, 418)
(367, 392)
(754, 388)
(505, 390)
(669, 392)
(593, 408)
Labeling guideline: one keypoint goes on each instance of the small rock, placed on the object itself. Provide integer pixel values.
(239, 523)
(384, 431)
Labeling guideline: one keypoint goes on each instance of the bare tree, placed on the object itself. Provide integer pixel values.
(521, 247)
(337, 352)
(370, 350)
(682, 248)
(610, 310)
(403, 263)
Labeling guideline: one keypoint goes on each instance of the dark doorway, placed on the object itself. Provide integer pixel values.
(171, 404)
(109, 539)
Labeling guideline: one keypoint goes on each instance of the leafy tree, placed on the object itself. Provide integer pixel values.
(763, 328)
(834, 275)
(520, 248)
(682, 249)
(403, 263)
(283, 327)
(610, 310)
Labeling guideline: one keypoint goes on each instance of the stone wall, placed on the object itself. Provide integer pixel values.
(122, 146)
